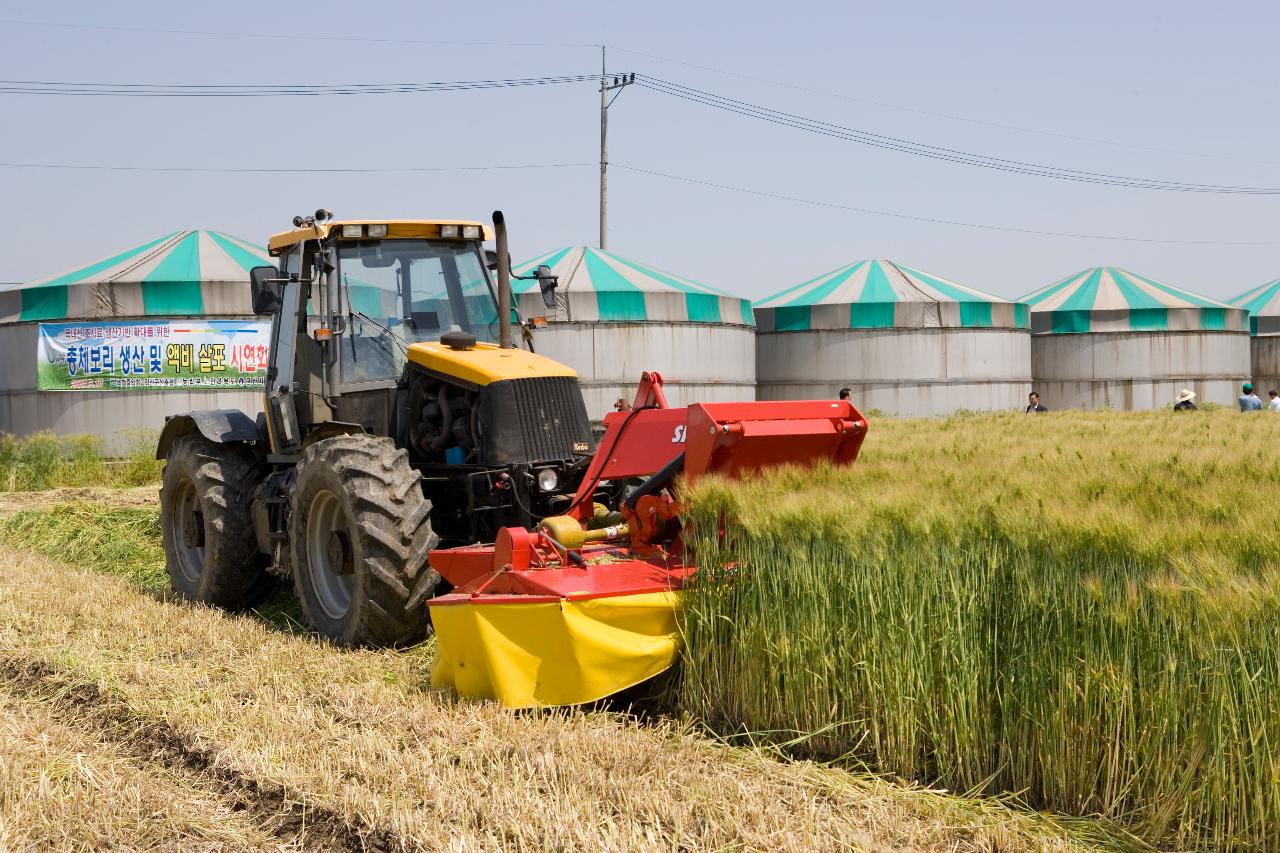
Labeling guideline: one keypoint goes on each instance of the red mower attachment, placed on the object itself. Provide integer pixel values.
(586, 605)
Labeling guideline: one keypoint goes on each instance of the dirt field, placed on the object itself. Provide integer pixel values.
(128, 721)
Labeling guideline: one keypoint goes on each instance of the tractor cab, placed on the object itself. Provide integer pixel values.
(352, 300)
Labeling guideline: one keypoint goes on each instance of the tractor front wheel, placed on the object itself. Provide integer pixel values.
(360, 530)
(210, 549)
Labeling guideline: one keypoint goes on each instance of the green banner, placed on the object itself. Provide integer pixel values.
(151, 355)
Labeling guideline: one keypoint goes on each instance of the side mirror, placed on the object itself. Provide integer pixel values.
(491, 260)
(265, 290)
(548, 284)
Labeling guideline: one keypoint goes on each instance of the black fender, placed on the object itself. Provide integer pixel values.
(222, 426)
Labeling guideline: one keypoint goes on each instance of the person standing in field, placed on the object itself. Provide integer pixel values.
(1249, 401)
(1274, 405)
(1184, 403)
(1033, 404)
(846, 393)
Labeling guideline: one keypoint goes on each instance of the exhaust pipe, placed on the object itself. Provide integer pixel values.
(504, 281)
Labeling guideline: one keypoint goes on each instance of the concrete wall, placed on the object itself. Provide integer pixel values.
(24, 410)
(907, 372)
(699, 362)
(1265, 363)
(1138, 370)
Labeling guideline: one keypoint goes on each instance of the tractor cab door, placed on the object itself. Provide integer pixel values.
(283, 426)
(293, 374)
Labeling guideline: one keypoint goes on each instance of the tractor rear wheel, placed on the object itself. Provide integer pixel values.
(210, 549)
(360, 530)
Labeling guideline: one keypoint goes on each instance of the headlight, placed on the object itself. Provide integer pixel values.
(548, 479)
(378, 230)
(449, 232)
(470, 232)
(356, 231)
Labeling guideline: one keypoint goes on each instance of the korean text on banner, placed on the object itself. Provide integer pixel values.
(149, 355)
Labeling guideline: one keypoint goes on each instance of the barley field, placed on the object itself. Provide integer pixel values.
(1081, 608)
(994, 632)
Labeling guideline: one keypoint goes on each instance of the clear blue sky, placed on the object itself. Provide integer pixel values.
(1190, 77)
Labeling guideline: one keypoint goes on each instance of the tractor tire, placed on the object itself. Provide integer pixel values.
(210, 548)
(360, 530)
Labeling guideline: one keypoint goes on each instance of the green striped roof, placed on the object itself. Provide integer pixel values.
(600, 285)
(170, 272)
(1110, 299)
(883, 294)
(1263, 305)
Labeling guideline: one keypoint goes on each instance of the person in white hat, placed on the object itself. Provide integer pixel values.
(1184, 403)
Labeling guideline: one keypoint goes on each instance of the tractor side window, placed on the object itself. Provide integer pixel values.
(372, 343)
(291, 264)
(301, 264)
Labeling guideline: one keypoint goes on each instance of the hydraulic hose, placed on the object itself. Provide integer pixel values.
(658, 481)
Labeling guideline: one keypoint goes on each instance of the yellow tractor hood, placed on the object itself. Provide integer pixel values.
(485, 364)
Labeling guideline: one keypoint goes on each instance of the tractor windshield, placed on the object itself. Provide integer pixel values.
(398, 292)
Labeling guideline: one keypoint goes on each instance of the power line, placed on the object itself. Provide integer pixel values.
(844, 96)
(261, 90)
(290, 36)
(741, 76)
(687, 93)
(934, 220)
(650, 172)
(289, 170)
(921, 149)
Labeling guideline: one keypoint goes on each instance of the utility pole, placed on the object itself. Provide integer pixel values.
(607, 86)
(604, 154)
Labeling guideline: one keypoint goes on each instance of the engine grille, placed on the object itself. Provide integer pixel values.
(539, 419)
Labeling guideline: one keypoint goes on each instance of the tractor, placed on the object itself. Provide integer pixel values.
(397, 417)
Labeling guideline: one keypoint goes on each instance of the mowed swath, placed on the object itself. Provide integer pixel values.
(1080, 607)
